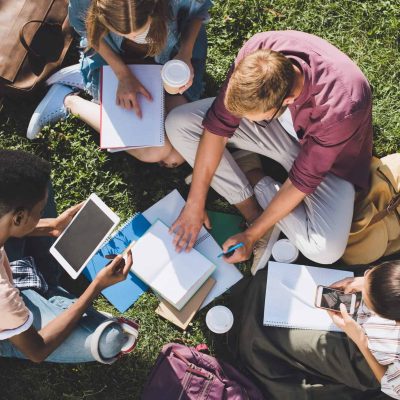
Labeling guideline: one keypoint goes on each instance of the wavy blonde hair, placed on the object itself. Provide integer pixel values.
(127, 16)
(259, 83)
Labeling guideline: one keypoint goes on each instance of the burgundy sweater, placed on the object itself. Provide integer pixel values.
(332, 116)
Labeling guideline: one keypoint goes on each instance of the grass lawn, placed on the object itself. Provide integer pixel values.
(368, 31)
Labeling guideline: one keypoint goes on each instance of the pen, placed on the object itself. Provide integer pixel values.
(232, 249)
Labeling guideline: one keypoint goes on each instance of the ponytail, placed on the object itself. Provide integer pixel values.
(158, 33)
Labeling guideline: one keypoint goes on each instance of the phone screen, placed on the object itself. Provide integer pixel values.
(331, 298)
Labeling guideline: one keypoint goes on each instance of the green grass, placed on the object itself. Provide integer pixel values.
(368, 31)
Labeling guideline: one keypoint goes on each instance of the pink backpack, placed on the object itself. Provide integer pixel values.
(184, 373)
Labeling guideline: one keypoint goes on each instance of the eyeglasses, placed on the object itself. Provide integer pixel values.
(266, 122)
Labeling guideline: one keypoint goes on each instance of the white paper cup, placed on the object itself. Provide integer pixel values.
(285, 252)
(175, 74)
(219, 319)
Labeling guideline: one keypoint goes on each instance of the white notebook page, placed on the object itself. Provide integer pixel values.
(290, 296)
(122, 128)
(175, 276)
(225, 275)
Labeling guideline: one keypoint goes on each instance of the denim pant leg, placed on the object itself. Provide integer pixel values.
(199, 57)
(38, 247)
(77, 348)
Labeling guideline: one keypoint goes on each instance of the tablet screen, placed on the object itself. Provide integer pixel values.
(84, 234)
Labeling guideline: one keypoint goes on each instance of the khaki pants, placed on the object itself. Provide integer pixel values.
(319, 227)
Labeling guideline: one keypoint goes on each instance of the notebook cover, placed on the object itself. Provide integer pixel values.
(123, 294)
(223, 225)
(183, 317)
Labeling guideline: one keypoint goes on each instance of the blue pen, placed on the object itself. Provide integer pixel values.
(232, 249)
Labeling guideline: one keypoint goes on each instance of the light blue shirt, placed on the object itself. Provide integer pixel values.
(92, 61)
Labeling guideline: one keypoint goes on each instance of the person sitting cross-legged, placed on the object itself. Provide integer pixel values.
(43, 321)
(323, 140)
(300, 364)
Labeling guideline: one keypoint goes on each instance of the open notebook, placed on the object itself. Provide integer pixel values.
(121, 128)
(176, 277)
(290, 296)
(225, 275)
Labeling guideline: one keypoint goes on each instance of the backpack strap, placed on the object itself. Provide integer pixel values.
(392, 205)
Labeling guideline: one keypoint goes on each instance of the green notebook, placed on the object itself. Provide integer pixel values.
(224, 225)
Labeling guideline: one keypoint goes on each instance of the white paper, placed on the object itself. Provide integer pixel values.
(122, 128)
(290, 296)
(226, 275)
(175, 276)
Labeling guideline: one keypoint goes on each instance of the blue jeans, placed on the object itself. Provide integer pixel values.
(94, 331)
(95, 338)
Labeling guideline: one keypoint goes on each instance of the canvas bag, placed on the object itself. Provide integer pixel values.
(185, 373)
(35, 36)
(375, 230)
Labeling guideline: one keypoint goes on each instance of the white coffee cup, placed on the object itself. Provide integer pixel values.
(219, 319)
(175, 74)
(284, 251)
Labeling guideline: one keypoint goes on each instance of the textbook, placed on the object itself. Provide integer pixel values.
(290, 296)
(121, 128)
(123, 294)
(225, 275)
(183, 317)
(174, 276)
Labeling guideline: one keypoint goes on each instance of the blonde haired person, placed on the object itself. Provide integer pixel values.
(114, 32)
(299, 100)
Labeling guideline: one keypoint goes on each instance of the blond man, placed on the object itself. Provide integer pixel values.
(299, 100)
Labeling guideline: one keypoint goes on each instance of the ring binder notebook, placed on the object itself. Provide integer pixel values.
(290, 296)
(125, 293)
(121, 129)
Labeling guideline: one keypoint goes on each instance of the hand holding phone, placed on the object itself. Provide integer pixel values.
(330, 298)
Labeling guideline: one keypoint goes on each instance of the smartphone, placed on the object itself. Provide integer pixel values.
(330, 299)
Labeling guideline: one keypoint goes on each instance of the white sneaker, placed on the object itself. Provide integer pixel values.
(50, 110)
(263, 249)
(69, 76)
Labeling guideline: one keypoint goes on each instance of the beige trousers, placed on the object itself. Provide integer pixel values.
(319, 227)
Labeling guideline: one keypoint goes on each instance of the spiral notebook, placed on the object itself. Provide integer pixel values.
(123, 294)
(290, 296)
(121, 128)
(225, 275)
(175, 276)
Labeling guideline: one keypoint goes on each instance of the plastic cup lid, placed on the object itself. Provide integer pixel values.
(284, 251)
(219, 319)
(175, 73)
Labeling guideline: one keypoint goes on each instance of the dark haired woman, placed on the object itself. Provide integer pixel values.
(114, 31)
(307, 364)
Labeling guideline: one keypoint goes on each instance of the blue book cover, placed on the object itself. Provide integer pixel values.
(123, 294)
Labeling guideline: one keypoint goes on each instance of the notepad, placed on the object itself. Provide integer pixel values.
(225, 275)
(176, 277)
(121, 128)
(290, 296)
(123, 294)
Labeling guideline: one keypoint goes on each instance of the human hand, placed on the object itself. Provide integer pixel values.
(349, 285)
(129, 88)
(242, 253)
(187, 227)
(344, 321)
(61, 222)
(187, 59)
(116, 271)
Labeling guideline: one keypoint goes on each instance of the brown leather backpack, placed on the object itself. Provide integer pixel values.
(375, 231)
(35, 36)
